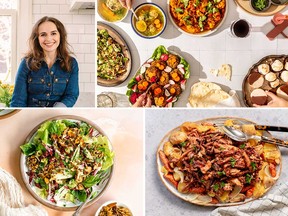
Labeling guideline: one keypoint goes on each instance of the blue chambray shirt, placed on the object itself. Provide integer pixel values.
(46, 87)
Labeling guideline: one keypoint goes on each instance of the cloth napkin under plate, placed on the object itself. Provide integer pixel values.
(272, 204)
(232, 101)
(11, 198)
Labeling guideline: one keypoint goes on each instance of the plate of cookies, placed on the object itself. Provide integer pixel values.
(269, 74)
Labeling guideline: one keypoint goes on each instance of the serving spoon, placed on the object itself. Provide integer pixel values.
(239, 135)
(135, 15)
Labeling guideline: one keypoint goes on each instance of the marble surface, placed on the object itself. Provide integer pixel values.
(204, 53)
(159, 201)
(127, 183)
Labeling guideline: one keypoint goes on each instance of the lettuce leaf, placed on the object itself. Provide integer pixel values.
(28, 149)
(42, 133)
(80, 195)
(69, 123)
(103, 145)
(131, 83)
(41, 192)
(84, 128)
(69, 197)
(159, 51)
(41, 182)
(57, 127)
(186, 67)
(90, 181)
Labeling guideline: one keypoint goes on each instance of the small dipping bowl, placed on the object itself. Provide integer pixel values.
(151, 26)
(254, 6)
(279, 2)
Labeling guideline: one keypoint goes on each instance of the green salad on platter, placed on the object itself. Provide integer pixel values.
(67, 160)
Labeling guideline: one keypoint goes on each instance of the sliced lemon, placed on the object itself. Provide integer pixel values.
(141, 25)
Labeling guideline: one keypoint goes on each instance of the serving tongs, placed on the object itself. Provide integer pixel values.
(221, 122)
(239, 135)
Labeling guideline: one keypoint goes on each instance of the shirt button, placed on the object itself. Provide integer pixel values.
(49, 84)
(42, 80)
(56, 80)
(51, 72)
(47, 94)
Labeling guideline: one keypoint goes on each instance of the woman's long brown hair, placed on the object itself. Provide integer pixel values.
(35, 55)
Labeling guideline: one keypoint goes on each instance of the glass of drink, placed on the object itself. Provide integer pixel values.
(104, 100)
(240, 28)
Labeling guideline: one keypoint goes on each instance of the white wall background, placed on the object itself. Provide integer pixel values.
(80, 25)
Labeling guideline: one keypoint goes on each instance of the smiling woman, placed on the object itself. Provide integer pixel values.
(48, 74)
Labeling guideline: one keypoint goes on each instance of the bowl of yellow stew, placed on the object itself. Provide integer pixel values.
(151, 20)
(111, 10)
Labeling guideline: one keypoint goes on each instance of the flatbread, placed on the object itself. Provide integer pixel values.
(225, 71)
(205, 94)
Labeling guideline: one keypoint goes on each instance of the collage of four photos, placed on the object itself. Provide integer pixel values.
(143, 107)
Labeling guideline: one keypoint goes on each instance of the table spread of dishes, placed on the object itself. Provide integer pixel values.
(190, 53)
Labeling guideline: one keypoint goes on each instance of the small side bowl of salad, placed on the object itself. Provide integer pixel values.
(260, 5)
(113, 208)
(64, 160)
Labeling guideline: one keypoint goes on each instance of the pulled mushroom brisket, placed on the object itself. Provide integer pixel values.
(212, 161)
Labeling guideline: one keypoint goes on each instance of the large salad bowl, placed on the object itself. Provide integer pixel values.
(66, 160)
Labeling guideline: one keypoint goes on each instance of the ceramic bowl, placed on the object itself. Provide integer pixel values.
(109, 202)
(260, 8)
(151, 26)
(118, 13)
(279, 2)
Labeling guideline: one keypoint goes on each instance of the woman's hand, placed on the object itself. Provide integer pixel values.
(143, 101)
(275, 102)
(126, 3)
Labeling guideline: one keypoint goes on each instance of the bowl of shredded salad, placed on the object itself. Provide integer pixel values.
(66, 160)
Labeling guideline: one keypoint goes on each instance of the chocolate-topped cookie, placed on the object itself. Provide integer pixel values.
(258, 96)
(282, 91)
(255, 80)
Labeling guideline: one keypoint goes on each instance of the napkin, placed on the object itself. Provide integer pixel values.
(232, 101)
(271, 204)
(11, 198)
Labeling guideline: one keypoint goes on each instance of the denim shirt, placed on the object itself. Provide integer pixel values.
(46, 87)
